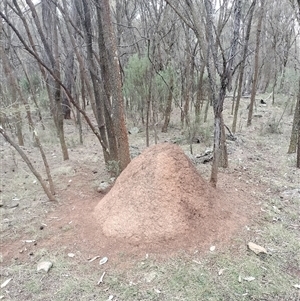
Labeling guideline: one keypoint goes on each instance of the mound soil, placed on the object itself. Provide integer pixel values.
(161, 197)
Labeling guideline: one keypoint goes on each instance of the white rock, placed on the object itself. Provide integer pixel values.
(256, 248)
(44, 265)
(103, 260)
(249, 278)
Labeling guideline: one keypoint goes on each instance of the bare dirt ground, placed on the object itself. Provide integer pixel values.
(159, 205)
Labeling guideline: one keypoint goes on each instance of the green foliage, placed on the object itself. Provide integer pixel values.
(163, 85)
(137, 82)
(139, 79)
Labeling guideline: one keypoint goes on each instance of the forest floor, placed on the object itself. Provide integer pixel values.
(142, 248)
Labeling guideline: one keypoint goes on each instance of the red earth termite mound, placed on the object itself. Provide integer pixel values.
(160, 196)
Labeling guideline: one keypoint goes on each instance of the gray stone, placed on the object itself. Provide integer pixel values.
(44, 265)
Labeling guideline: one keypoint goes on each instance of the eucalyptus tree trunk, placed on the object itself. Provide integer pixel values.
(295, 128)
(256, 63)
(107, 89)
(85, 15)
(114, 75)
(242, 67)
(168, 106)
(200, 94)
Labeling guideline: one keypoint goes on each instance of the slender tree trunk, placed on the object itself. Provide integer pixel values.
(98, 96)
(168, 107)
(148, 113)
(242, 67)
(200, 94)
(49, 7)
(219, 132)
(295, 129)
(223, 153)
(57, 93)
(256, 62)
